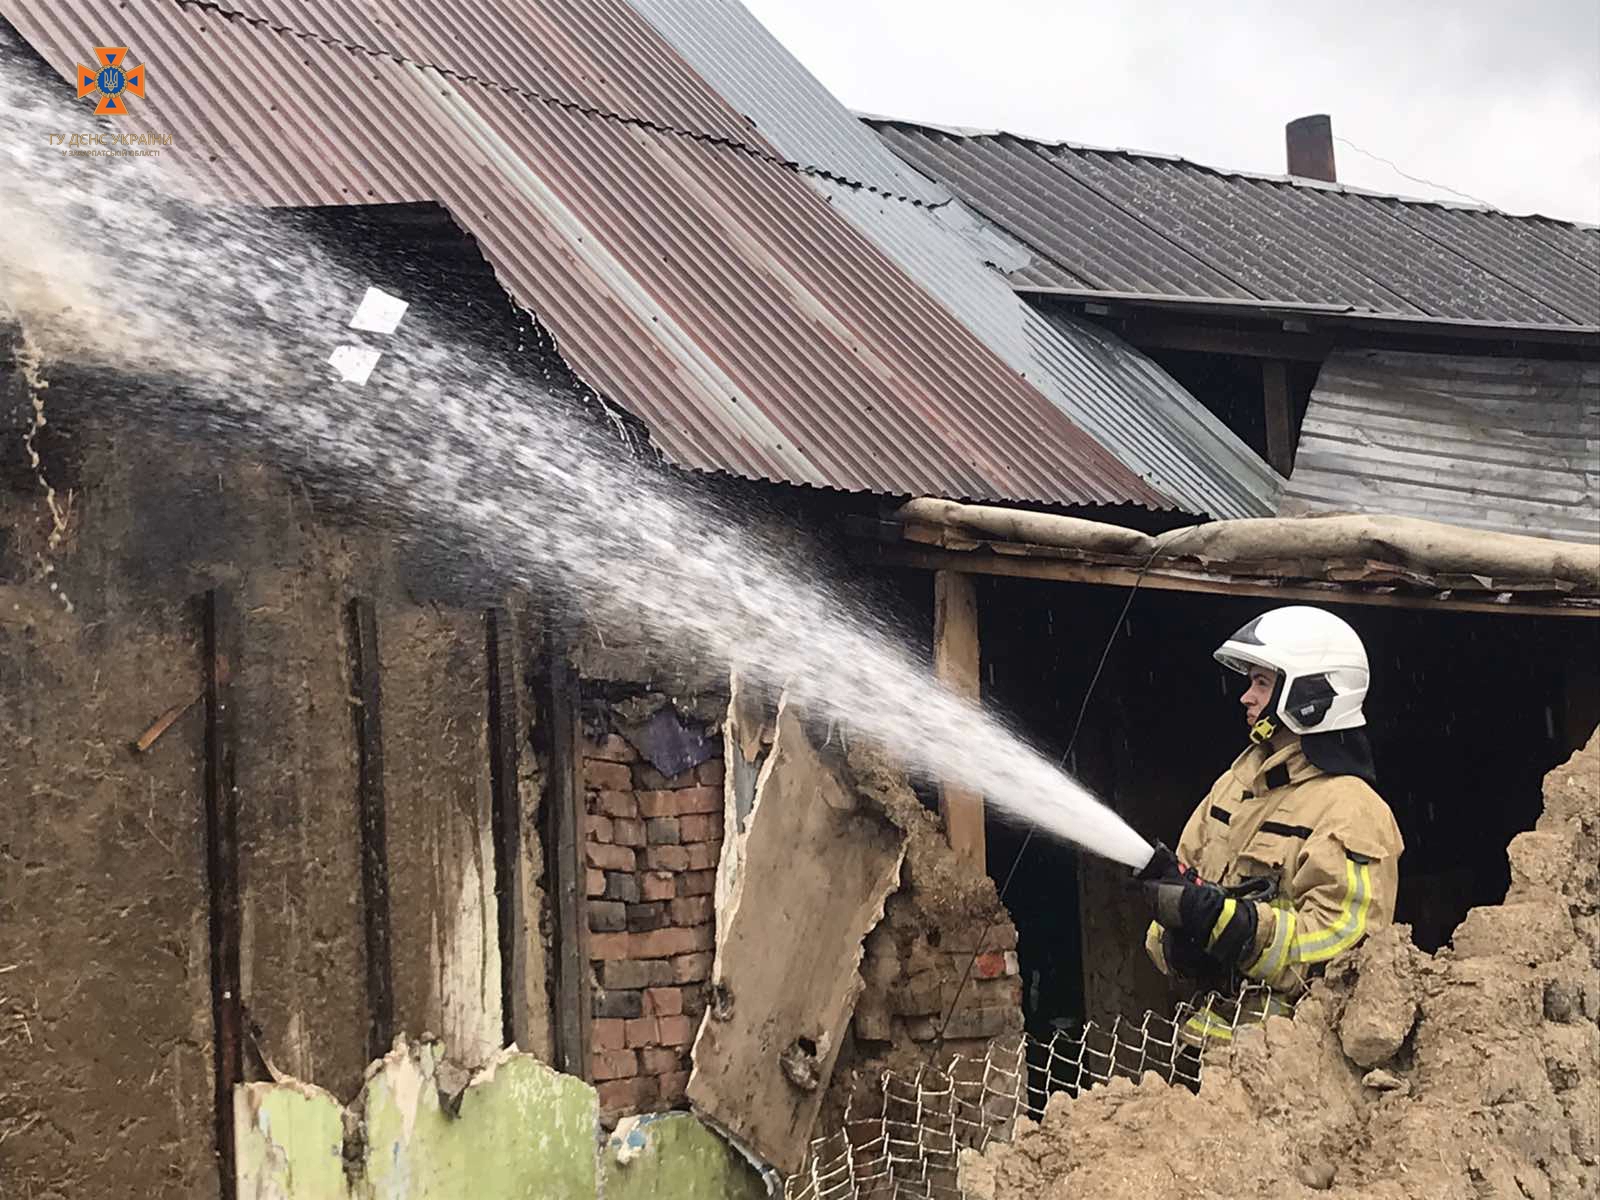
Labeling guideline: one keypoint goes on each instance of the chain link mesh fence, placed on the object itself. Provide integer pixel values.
(904, 1143)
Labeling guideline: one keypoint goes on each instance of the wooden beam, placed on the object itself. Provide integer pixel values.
(955, 662)
(510, 882)
(1149, 332)
(368, 715)
(222, 869)
(1280, 415)
(567, 871)
(929, 558)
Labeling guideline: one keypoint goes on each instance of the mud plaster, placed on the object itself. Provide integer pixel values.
(302, 941)
(786, 975)
(440, 829)
(104, 976)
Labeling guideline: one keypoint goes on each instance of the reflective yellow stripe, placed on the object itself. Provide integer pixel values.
(1206, 1024)
(1275, 956)
(1229, 906)
(1347, 928)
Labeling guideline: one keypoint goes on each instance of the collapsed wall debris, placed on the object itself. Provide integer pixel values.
(941, 970)
(827, 845)
(1469, 1074)
(816, 864)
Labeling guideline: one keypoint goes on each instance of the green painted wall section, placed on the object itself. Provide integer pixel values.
(289, 1143)
(674, 1155)
(522, 1132)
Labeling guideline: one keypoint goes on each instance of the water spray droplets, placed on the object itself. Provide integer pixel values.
(223, 327)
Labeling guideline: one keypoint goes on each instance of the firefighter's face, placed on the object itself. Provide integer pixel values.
(1257, 695)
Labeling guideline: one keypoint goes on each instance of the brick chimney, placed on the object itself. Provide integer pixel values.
(1309, 141)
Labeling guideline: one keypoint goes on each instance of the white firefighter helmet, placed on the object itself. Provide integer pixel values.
(1321, 667)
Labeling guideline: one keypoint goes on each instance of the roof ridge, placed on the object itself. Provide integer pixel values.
(699, 135)
(1301, 181)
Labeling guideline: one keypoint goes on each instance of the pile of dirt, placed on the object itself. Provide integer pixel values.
(1471, 1074)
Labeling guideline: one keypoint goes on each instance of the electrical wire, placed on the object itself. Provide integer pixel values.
(1395, 167)
(231, 13)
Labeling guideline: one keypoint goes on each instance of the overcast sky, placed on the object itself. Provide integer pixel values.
(1494, 99)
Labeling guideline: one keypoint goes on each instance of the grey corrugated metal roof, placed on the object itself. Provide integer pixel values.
(1490, 443)
(1120, 221)
(1115, 393)
(703, 285)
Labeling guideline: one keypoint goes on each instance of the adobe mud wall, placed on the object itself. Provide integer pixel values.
(106, 1005)
(1470, 1074)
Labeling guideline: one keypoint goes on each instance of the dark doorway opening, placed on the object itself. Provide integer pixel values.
(1467, 714)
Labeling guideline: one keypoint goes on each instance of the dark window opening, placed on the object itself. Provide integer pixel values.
(1232, 389)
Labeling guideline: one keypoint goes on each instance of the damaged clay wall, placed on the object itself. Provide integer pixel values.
(1473, 1074)
(944, 925)
(515, 1130)
(106, 1007)
(847, 923)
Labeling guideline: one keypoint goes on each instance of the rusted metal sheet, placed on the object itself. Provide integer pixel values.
(1112, 391)
(1120, 221)
(706, 288)
(1490, 443)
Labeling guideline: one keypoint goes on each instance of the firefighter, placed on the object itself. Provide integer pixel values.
(1293, 857)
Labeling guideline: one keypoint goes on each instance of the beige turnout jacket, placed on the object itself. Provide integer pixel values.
(1329, 841)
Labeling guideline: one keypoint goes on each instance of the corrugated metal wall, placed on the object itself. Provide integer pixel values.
(1490, 443)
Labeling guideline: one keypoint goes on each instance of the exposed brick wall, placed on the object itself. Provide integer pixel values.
(914, 969)
(652, 850)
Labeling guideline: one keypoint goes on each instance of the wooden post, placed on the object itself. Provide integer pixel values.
(374, 826)
(955, 662)
(567, 871)
(1280, 420)
(505, 746)
(222, 868)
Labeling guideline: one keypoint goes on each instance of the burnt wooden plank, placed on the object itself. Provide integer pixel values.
(1279, 414)
(368, 716)
(566, 874)
(512, 885)
(222, 867)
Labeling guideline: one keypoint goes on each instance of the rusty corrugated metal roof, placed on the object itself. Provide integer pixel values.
(1490, 443)
(702, 285)
(1111, 390)
(1119, 221)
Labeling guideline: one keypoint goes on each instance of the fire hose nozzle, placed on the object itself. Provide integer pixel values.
(1163, 865)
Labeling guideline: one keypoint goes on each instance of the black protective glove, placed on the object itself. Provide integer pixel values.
(1165, 867)
(1189, 958)
(1196, 909)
